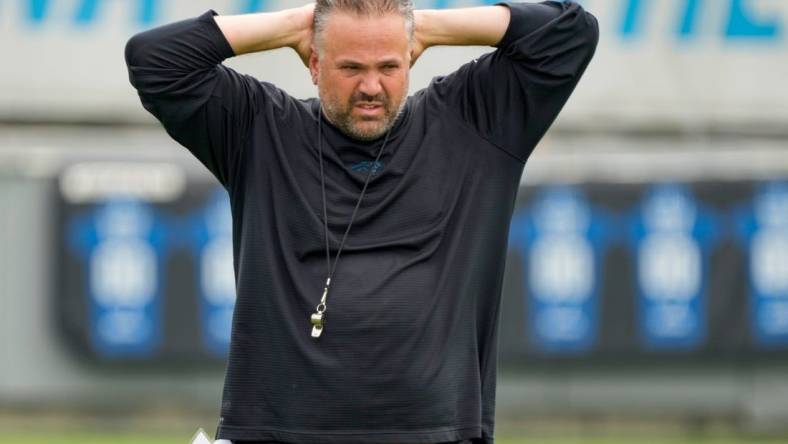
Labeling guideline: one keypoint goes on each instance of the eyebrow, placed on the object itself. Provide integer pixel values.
(349, 62)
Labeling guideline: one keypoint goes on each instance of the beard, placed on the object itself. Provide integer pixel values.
(364, 128)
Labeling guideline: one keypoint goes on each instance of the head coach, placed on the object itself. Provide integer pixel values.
(369, 226)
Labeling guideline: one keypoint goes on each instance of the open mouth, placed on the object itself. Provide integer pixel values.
(369, 109)
(369, 105)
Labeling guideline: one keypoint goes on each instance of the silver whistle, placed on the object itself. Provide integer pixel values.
(317, 320)
(318, 317)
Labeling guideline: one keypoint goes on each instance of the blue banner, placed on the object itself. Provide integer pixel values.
(121, 243)
(763, 230)
(672, 236)
(212, 247)
(560, 238)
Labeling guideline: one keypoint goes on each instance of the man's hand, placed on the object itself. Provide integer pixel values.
(418, 45)
(303, 46)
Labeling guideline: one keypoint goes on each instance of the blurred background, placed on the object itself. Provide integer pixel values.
(646, 287)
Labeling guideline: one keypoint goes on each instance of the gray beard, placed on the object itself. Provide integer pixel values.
(343, 122)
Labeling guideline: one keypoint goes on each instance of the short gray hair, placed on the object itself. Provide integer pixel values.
(364, 8)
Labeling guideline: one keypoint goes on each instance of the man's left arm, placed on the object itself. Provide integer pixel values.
(511, 96)
(480, 26)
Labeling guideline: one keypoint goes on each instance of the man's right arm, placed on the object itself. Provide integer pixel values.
(262, 31)
(204, 105)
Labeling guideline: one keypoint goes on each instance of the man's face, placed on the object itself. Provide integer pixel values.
(361, 69)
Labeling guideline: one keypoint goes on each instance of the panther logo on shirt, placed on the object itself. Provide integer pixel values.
(363, 167)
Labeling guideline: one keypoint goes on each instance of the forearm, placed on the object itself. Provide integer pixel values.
(266, 30)
(483, 26)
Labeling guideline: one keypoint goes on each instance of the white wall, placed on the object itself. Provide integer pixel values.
(726, 70)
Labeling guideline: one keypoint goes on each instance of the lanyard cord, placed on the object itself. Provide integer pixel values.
(317, 320)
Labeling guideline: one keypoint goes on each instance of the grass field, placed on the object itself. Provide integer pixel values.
(89, 438)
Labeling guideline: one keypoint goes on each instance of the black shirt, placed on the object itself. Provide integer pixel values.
(409, 351)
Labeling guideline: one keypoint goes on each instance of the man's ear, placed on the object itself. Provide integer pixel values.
(314, 67)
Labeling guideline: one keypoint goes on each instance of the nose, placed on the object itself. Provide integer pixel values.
(370, 85)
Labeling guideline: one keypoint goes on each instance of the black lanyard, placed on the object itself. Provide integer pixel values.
(318, 317)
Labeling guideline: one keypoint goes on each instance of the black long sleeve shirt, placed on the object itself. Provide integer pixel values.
(409, 350)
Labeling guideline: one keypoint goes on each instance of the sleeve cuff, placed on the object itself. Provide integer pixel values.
(217, 35)
(526, 18)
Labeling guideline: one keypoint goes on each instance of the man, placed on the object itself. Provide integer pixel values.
(370, 228)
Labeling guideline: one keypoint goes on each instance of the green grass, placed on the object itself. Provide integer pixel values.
(91, 438)
(125, 438)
